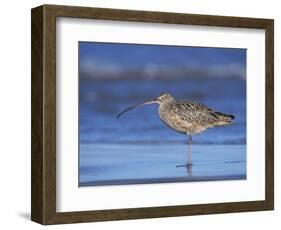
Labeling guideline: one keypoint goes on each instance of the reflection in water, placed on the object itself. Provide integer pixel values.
(188, 168)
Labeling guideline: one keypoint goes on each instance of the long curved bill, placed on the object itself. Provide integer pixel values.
(136, 106)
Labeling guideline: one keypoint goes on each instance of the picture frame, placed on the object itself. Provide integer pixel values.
(44, 122)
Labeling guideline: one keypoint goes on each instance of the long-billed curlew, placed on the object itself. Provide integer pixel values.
(186, 117)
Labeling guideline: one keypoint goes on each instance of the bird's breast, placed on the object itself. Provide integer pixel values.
(172, 119)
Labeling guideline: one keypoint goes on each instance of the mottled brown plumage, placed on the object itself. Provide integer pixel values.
(187, 117)
(191, 117)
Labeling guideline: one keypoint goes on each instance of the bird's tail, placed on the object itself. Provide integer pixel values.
(224, 119)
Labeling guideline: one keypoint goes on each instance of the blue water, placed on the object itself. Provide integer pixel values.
(139, 148)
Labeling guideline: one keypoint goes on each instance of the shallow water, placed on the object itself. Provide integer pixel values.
(103, 164)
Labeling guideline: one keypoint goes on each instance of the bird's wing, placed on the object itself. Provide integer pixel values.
(193, 112)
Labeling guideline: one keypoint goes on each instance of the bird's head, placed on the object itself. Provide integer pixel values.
(165, 97)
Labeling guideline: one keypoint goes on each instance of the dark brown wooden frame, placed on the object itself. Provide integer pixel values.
(43, 160)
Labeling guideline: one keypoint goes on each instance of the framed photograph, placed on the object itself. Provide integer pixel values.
(140, 114)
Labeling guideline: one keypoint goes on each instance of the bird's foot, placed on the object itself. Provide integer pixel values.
(188, 165)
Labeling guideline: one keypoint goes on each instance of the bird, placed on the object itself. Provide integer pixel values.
(186, 117)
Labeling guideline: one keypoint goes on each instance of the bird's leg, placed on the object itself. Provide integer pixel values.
(188, 165)
(189, 152)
